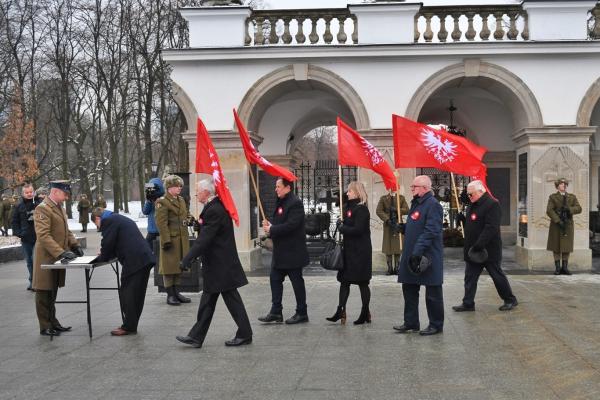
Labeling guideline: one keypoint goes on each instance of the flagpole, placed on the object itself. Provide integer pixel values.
(341, 184)
(462, 230)
(398, 206)
(260, 207)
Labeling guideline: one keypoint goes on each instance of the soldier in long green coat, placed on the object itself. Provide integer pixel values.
(6, 208)
(171, 217)
(84, 207)
(561, 208)
(387, 212)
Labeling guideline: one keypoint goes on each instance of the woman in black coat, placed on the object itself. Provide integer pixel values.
(357, 253)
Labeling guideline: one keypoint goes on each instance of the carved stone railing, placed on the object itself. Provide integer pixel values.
(594, 23)
(471, 23)
(301, 27)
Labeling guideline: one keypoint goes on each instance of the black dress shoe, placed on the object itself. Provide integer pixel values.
(296, 319)
(430, 330)
(188, 340)
(462, 307)
(271, 318)
(238, 341)
(61, 328)
(508, 306)
(405, 329)
(49, 332)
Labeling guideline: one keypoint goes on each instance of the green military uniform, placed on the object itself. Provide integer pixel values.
(53, 238)
(2, 217)
(561, 208)
(171, 216)
(390, 246)
(6, 214)
(84, 207)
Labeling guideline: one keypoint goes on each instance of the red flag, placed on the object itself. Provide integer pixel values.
(419, 145)
(355, 151)
(254, 157)
(207, 162)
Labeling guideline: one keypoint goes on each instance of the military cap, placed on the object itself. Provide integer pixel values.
(65, 186)
(172, 181)
(561, 180)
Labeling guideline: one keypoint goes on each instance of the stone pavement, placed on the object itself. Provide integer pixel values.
(548, 348)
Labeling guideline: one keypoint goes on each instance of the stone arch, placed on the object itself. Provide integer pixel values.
(186, 105)
(251, 108)
(588, 103)
(473, 68)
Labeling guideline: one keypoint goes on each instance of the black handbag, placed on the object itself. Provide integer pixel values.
(333, 257)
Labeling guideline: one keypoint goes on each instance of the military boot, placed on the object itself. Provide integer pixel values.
(172, 299)
(556, 267)
(390, 270)
(180, 297)
(565, 270)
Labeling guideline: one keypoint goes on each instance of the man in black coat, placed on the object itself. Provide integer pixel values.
(122, 239)
(221, 269)
(290, 254)
(22, 226)
(482, 232)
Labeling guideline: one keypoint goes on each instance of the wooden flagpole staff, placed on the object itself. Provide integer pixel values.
(455, 193)
(260, 207)
(398, 211)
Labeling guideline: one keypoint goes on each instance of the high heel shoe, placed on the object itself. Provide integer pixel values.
(340, 314)
(365, 316)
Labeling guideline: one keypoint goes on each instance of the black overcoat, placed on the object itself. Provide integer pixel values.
(215, 245)
(22, 220)
(482, 227)
(288, 234)
(122, 239)
(423, 237)
(357, 244)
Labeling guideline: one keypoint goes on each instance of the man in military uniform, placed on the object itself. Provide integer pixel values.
(54, 242)
(6, 208)
(2, 216)
(172, 218)
(84, 207)
(100, 202)
(561, 208)
(388, 213)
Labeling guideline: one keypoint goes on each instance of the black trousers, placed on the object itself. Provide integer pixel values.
(434, 300)
(45, 308)
(206, 309)
(277, 277)
(133, 294)
(472, 272)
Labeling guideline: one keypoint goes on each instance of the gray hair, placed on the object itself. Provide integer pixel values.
(477, 185)
(425, 180)
(207, 184)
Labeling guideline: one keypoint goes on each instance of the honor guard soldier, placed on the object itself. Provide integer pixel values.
(54, 242)
(84, 207)
(172, 219)
(388, 213)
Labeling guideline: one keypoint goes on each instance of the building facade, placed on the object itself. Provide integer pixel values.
(525, 79)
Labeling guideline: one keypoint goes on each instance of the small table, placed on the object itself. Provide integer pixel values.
(88, 265)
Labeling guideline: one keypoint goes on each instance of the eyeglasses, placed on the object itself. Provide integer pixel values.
(415, 186)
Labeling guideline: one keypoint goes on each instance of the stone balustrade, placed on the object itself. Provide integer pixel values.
(471, 23)
(301, 27)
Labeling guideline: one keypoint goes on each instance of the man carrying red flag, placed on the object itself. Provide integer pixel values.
(356, 151)
(207, 162)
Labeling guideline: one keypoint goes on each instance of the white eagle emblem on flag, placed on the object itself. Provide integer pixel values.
(257, 155)
(442, 150)
(372, 152)
(215, 165)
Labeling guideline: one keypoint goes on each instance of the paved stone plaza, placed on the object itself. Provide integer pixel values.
(549, 348)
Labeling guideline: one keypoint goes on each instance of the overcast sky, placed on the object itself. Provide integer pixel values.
(343, 3)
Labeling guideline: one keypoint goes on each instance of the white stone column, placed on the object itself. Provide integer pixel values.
(553, 152)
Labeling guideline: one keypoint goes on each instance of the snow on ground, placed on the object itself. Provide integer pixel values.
(135, 213)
